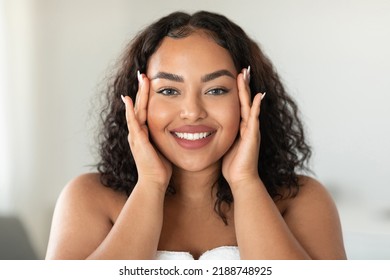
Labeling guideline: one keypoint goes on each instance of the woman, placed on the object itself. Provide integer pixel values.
(208, 174)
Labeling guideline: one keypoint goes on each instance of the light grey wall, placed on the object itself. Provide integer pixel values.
(332, 55)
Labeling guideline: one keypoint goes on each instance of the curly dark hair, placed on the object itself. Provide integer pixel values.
(283, 152)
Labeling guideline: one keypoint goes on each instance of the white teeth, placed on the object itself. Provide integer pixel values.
(192, 136)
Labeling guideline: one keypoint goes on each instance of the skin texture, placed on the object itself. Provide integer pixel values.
(95, 222)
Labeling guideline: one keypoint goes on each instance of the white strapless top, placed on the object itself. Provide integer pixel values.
(219, 253)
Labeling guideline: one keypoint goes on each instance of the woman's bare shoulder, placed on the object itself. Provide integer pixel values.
(87, 194)
(312, 195)
(311, 188)
(313, 218)
(86, 181)
(88, 189)
(84, 214)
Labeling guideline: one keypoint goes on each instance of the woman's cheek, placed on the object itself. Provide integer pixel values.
(233, 117)
(159, 115)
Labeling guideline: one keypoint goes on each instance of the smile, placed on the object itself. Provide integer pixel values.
(192, 136)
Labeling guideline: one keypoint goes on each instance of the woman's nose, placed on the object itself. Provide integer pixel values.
(193, 108)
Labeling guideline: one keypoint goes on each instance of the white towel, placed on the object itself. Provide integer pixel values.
(219, 253)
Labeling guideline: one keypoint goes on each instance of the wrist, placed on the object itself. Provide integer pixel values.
(153, 184)
(245, 184)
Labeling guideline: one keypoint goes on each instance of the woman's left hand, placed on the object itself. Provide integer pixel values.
(240, 163)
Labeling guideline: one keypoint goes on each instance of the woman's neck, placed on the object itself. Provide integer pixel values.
(196, 188)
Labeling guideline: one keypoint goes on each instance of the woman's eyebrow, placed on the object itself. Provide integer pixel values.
(168, 76)
(211, 76)
(206, 78)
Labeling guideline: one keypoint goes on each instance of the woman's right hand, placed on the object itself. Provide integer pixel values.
(152, 166)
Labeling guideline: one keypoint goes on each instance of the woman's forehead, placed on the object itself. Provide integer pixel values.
(198, 50)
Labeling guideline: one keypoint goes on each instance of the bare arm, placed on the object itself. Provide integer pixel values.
(260, 229)
(310, 228)
(136, 232)
(82, 226)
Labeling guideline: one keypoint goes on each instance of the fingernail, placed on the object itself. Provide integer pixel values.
(245, 74)
(263, 95)
(123, 99)
(139, 77)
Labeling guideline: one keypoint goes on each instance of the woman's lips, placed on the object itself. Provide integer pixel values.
(193, 137)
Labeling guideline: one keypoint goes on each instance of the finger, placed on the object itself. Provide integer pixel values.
(244, 94)
(129, 111)
(253, 122)
(141, 102)
(132, 123)
(139, 78)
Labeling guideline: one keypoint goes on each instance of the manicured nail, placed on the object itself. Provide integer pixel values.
(247, 74)
(263, 95)
(139, 77)
(123, 99)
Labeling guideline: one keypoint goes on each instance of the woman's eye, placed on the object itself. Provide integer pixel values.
(168, 91)
(217, 91)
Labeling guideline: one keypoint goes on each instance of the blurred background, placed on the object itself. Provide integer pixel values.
(55, 55)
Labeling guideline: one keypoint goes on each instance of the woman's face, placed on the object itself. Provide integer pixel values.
(193, 109)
